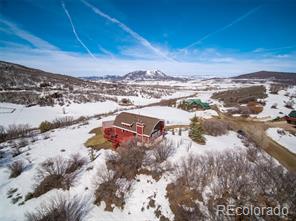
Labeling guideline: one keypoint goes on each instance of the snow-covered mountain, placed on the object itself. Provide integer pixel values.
(140, 75)
(146, 75)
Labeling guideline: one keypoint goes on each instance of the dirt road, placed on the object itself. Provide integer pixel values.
(255, 130)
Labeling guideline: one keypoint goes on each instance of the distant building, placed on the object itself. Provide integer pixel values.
(291, 118)
(197, 103)
(129, 127)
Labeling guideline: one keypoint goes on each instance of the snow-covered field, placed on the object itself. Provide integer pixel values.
(70, 140)
(283, 137)
(35, 115)
(279, 100)
(172, 115)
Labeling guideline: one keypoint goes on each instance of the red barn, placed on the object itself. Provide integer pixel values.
(133, 127)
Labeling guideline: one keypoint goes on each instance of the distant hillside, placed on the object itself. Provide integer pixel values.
(15, 76)
(105, 77)
(283, 77)
(149, 75)
(30, 86)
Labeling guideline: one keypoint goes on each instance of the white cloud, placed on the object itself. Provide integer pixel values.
(32, 39)
(258, 50)
(82, 65)
(127, 29)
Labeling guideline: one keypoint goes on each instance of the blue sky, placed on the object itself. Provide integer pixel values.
(88, 37)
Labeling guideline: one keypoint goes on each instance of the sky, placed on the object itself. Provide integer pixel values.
(178, 37)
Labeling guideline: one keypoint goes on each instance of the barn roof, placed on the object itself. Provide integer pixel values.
(128, 121)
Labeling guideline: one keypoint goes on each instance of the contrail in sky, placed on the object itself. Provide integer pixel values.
(74, 31)
(224, 27)
(127, 29)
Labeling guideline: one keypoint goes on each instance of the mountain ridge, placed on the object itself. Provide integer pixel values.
(138, 75)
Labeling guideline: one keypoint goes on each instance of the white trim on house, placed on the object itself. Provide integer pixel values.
(130, 130)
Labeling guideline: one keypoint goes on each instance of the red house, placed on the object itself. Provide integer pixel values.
(133, 127)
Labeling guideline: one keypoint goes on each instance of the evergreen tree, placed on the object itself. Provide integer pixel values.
(180, 132)
(196, 131)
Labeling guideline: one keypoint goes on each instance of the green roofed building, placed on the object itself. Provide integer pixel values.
(291, 118)
(292, 114)
(198, 103)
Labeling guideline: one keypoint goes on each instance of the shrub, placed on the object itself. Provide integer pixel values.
(289, 104)
(62, 122)
(255, 108)
(275, 88)
(16, 168)
(215, 127)
(15, 131)
(241, 178)
(61, 208)
(274, 106)
(125, 101)
(45, 126)
(162, 151)
(128, 162)
(23, 142)
(57, 173)
(111, 188)
(241, 95)
(2, 133)
(57, 123)
(115, 182)
(75, 162)
(180, 131)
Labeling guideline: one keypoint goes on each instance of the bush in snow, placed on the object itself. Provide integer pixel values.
(274, 106)
(128, 162)
(14, 131)
(114, 183)
(57, 123)
(111, 188)
(63, 122)
(92, 154)
(60, 208)
(108, 189)
(2, 133)
(180, 131)
(215, 127)
(57, 173)
(162, 151)
(45, 126)
(289, 104)
(23, 142)
(16, 168)
(125, 101)
(238, 178)
(75, 162)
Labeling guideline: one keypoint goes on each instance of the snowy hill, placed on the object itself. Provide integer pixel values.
(145, 75)
(140, 75)
(29, 86)
(283, 77)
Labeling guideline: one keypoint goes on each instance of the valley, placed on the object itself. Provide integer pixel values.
(243, 134)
